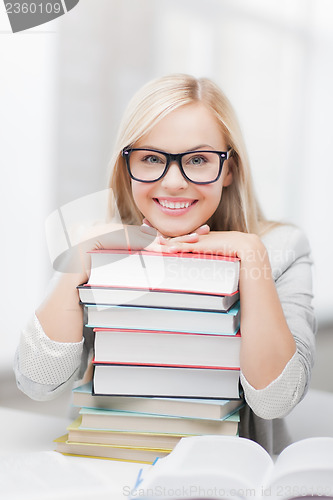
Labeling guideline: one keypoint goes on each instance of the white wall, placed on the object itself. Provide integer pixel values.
(64, 85)
(26, 187)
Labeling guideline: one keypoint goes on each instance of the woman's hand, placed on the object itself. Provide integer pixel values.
(227, 243)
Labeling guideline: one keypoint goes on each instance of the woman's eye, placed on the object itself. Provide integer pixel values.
(197, 160)
(152, 159)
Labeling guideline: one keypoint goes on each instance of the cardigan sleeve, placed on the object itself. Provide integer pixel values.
(291, 263)
(43, 367)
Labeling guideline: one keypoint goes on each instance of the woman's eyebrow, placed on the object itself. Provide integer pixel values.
(194, 148)
(200, 146)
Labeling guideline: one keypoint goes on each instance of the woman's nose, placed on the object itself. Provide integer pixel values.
(174, 179)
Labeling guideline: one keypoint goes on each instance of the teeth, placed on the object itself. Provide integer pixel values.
(177, 204)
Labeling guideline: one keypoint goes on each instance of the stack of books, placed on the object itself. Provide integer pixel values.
(166, 363)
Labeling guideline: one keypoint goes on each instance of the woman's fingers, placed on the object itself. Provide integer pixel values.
(204, 229)
(179, 247)
(186, 238)
(177, 244)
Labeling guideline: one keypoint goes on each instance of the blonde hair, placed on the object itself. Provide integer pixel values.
(238, 209)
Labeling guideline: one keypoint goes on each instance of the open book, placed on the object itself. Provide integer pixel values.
(217, 467)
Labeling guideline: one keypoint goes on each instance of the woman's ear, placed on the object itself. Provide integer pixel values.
(227, 176)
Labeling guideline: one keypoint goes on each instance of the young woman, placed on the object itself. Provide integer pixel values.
(180, 168)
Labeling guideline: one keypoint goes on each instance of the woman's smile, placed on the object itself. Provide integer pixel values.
(174, 206)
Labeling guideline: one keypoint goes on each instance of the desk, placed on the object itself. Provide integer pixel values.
(31, 470)
(27, 439)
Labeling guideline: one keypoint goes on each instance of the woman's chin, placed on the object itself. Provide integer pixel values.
(174, 233)
(174, 230)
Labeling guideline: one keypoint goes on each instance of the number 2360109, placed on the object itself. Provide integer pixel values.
(33, 8)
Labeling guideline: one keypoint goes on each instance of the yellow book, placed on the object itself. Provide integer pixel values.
(113, 452)
(116, 438)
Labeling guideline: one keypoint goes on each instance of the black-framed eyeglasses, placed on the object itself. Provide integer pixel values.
(150, 165)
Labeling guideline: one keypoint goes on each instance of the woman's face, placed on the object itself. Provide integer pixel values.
(191, 127)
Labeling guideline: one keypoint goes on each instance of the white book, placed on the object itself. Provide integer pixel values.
(187, 272)
(225, 467)
(174, 320)
(160, 381)
(140, 422)
(108, 295)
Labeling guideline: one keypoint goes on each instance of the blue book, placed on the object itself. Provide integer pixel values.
(215, 409)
